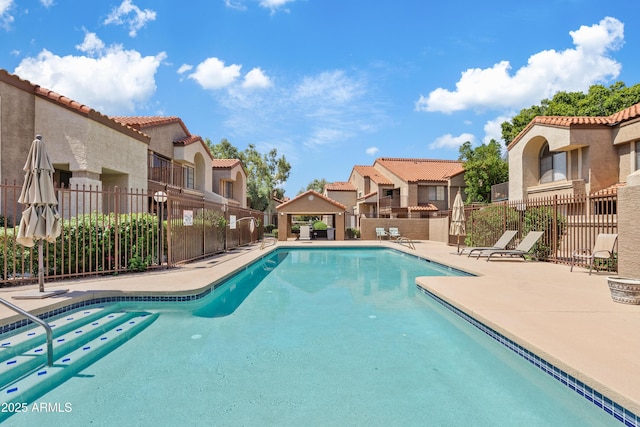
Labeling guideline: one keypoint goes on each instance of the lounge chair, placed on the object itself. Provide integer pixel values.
(603, 249)
(381, 233)
(523, 249)
(501, 243)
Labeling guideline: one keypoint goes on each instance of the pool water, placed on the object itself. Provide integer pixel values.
(315, 337)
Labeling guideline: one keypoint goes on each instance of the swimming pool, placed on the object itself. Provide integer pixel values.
(314, 336)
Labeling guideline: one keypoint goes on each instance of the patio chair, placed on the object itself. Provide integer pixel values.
(523, 248)
(381, 233)
(602, 249)
(501, 243)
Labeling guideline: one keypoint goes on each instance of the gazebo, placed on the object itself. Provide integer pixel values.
(310, 203)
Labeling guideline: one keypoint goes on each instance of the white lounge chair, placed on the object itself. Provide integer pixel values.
(381, 233)
(603, 248)
(523, 249)
(501, 243)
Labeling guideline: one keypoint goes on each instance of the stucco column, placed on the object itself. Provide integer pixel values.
(629, 228)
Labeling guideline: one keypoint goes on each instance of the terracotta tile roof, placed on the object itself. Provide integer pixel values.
(609, 191)
(141, 122)
(373, 174)
(626, 114)
(187, 140)
(225, 163)
(429, 208)
(369, 198)
(315, 194)
(414, 170)
(70, 104)
(340, 186)
(629, 113)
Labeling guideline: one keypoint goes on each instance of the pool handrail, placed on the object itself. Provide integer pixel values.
(39, 321)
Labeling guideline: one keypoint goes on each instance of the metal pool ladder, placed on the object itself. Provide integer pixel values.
(39, 321)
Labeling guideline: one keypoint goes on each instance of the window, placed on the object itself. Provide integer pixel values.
(188, 177)
(553, 166)
(637, 155)
(436, 193)
(228, 189)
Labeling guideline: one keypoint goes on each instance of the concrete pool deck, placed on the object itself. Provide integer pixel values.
(566, 318)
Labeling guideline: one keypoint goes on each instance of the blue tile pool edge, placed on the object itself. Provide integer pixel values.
(618, 412)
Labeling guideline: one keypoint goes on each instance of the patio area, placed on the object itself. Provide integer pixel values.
(566, 318)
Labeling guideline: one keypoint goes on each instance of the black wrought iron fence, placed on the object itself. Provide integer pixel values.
(115, 230)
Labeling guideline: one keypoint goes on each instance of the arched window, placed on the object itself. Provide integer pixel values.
(553, 166)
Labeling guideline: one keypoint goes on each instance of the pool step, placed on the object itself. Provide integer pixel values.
(14, 344)
(28, 360)
(34, 384)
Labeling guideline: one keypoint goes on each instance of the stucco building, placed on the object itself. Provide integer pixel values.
(574, 155)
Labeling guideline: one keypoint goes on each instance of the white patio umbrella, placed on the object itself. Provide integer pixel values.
(457, 227)
(40, 220)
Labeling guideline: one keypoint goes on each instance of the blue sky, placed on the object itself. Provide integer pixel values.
(328, 83)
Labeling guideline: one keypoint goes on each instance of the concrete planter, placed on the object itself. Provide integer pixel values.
(623, 290)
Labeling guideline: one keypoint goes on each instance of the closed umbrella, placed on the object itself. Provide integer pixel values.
(40, 220)
(457, 227)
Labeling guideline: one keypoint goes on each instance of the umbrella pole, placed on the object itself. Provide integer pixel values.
(41, 265)
(458, 250)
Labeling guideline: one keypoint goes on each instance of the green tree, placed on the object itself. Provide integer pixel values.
(316, 185)
(598, 101)
(484, 166)
(265, 172)
(223, 150)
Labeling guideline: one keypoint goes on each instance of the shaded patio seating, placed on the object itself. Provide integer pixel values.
(501, 243)
(523, 249)
(603, 248)
(381, 233)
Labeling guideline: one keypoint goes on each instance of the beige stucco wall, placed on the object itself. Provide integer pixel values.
(629, 228)
(415, 229)
(594, 142)
(17, 109)
(90, 149)
(235, 174)
(196, 156)
(347, 198)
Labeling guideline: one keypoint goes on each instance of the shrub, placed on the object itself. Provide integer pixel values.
(541, 218)
(319, 225)
(485, 225)
(352, 233)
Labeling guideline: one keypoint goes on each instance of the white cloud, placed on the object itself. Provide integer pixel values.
(546, 73)
(274, 5)
(91, 44)
(46, 3)
(372, 151)
(184, 68)
(256, 79)
(331, 86)
(493, 130)
(450, 141)
(113, 82)
(5, 16)
(235, 5)
(213, 74)
(130, 15)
